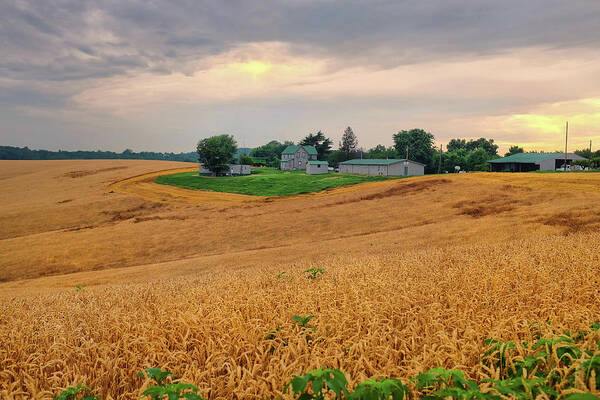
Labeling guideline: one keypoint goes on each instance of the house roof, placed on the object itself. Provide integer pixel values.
(530, 158)
(292, 149)
(318, 162)
(376, 161)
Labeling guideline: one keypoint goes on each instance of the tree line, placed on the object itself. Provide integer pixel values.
(414, 144)
(25, 153)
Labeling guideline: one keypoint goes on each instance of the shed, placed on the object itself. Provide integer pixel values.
(382, 167)
(234, 169)
(317, 167)
(525, 162)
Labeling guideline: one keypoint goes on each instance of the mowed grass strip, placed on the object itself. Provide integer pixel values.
(267, 182)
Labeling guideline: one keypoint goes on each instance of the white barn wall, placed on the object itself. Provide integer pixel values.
(397, 169)
(317, 169)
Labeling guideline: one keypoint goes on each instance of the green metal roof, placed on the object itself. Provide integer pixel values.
(318, 162)
(292, 149)
(375, 161)
(533, 157)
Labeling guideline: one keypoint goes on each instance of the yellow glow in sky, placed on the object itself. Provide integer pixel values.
(255, 67)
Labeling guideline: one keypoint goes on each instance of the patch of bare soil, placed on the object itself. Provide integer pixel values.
(398, 190)
(134, 212)
(79, 174)
(491, 205)
(160, 218)
(583, 220)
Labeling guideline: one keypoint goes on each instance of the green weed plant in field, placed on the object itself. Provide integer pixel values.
(550, 368)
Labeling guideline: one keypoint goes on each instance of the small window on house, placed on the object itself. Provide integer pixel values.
(319, 166)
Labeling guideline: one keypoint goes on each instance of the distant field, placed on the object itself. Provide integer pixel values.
(267, 182)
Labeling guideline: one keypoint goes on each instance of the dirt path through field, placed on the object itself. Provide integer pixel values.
(145, 186)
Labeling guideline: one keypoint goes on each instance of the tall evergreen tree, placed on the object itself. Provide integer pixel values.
(321, 143)
(349, 142)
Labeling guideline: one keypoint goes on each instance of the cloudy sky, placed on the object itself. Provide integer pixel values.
(160, 75)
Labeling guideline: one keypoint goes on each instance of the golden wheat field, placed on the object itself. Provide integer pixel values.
(418, 273)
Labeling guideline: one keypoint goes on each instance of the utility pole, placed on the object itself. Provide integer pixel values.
(566, 140)
(440, 163)
(406, 162)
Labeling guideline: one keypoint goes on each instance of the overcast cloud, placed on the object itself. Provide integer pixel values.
(159, 75)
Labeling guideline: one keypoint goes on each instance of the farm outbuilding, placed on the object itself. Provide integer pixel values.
(525, 162)
(234, 169)
(382, 167)
(317, 167)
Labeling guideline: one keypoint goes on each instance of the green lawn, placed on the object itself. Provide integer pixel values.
(267, 182)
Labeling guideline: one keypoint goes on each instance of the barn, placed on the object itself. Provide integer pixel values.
(382, 167)
(234, 169)
(317, 167)
(525, 162)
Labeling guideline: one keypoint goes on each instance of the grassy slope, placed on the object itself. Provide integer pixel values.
(267, 182)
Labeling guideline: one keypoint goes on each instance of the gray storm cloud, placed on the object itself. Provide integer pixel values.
(51, 50)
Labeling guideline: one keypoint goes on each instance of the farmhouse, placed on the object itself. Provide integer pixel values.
(234, 169)
(317, 167)
(382, 167)
(525, 162)
(296, 157)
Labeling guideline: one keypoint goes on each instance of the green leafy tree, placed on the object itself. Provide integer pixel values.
(335, 158)
(487, 145)
(456, 144)
(246, 160)
(216, 153)
(321, 143)
(420, 147)
(275, 163)
(270, 151)
(587, 153)
(472, 145)
(380, 151)
(454, 158)
(478, 160)
(514, 150)
(582, 163)
(349, 143)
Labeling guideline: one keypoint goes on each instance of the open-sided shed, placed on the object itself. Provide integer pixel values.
(525, 162)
